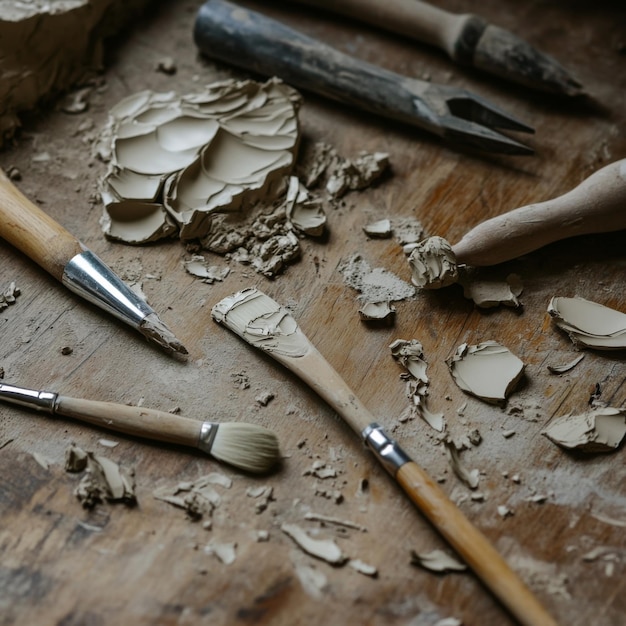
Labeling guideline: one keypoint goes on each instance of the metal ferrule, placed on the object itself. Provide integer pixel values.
(86, 275)
(208, 430)
(43, 401)
(389, 453)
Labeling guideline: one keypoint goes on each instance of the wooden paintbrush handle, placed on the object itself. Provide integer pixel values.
(445, 516)
(132, 420)
(36, 234)
(414, 19)
(472, 546)
(597, 205)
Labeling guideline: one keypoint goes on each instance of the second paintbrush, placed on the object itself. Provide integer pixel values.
(250, 447)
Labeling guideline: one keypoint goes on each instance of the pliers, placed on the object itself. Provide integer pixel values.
(252, 41)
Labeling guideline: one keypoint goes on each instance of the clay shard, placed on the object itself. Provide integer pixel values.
(489, 293)
(487, 370)
(136, 222)
(469, 477)
(198, 266)
(197, 498)
(75, 459)
(589, 324)
(380, 229)
(433, 264)
(304, 213)
(225, 551)
(566, 367)
(599, 430)
(359, 173)
(437, 561)
(407, 231)
(410, 355)
(324, 549)
(363, 568)
(379, 312)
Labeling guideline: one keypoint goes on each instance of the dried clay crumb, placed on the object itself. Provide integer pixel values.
(104, 480)
(197, 498)
(9, 295)
(263, 494)
(410, 355)
(226, 552)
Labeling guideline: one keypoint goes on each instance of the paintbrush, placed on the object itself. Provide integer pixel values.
(249, 447)
(596, 205)
(467, 39)
(265, 324)
(46, 242)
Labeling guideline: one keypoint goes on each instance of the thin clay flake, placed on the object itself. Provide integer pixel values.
(437, 561)
(589, 324)
(487, 370)
(599, 430)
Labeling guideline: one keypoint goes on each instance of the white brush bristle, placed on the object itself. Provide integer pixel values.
(248, 446)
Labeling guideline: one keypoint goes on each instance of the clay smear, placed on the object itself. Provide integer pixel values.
(325, 549)
(599, 430)
(410, 355)
(589, 324)
(261, 322)
(487, 370)
(375, 285)
(191, 156)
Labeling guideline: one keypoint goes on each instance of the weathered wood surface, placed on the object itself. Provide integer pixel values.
(60, 564)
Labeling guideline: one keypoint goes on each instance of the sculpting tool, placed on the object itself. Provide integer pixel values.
(596, 205)
(249, 447)
(266, 325)
(46, 242)
(467, 39)
(238, 36)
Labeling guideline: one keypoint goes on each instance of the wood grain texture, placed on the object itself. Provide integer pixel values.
(60, 564)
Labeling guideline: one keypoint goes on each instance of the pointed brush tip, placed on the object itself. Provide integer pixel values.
(155, 331)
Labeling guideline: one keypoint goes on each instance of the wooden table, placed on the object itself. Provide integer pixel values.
(61, 564)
